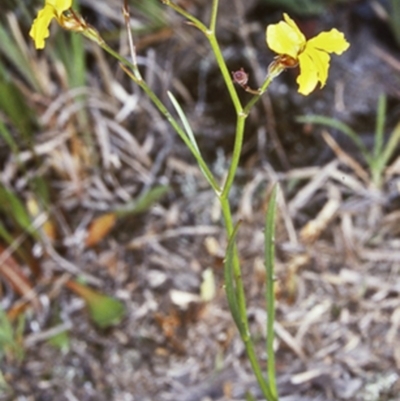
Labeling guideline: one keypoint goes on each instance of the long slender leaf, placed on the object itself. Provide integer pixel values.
(5, 234)
(269, 288)
(391, 145)
(230, 283)
(105, 311)
(6, 135)
(144, 202)
(380, 126)
(15, 107)
(394, 19)
(185, 122)
(250, 397)
(331, 122)
(10, 49)
(12, 205)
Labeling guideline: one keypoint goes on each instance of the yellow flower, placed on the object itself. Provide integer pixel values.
(286, 39)
(40, 27)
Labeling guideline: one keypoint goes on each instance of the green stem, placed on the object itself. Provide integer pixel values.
(196, 22)
(225, 72)
(214, 12)
(385, 156)
(210, 34)
(265, 388)
(391, 145)
(269, 262)
(261, 91)
(237, 150)
(380, 126)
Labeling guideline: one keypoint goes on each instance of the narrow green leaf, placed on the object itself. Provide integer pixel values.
(10, 49)
(269, 288)
(11, 204)
(9, 336)
(5, 234)
(6, 135)
(391, 146)
(60, 341)
(332, 123)
(184, 120)
(380, 126)
(394, 19)
(14, 106)
(40, 187)
(192, 143)
(250, 397)
(104, 310)
(144, 202)
(6, 333)
(4, 386)
(301, 7)
(230, 282)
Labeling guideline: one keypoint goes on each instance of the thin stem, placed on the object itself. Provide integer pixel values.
(226, 211)
(237, 150)
(210, 34)
(269, 237)
(132, 48)
(196, 22)
(380, 126)
(214, 12)
(377, 164)
(386, 154)
(265, 388)
(257, 97)
(138, 79)
(239, 136)
(391, 145)
(225, 72)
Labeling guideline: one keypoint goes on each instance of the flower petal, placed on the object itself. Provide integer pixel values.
(285, 37)
(308, 77)
(295, 28)
(321, 61)
(40, 27)
(60, 5)
(331, 42)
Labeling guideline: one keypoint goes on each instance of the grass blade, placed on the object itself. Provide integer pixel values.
(230, 282)
(269, 239)
(185, 122)
(143, 203)
(332, 123)
(380, 126)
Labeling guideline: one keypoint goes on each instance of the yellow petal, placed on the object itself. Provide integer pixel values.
(321, 61)
(40, 27)
(295, 28)
(60, 5)
(285, 38)
(308, 77)
(331, 42)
